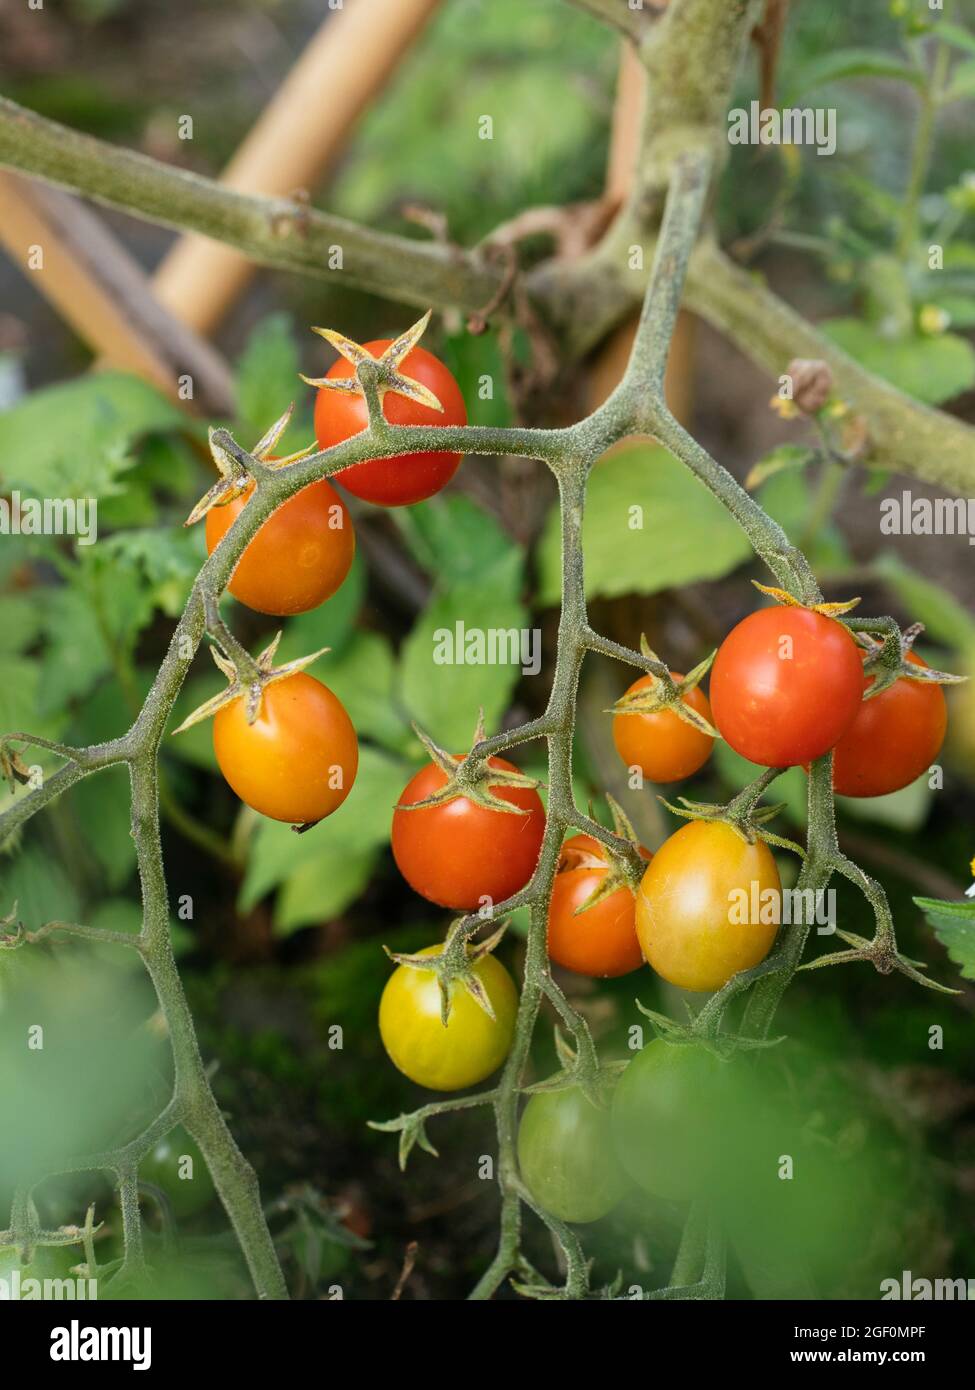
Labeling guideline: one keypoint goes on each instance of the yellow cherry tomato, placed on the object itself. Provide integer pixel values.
(708, 906)
(469, 1048)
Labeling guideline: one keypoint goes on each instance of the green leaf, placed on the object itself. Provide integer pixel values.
(945, 619)
(362, 675)
(102, 809)
(649, 525)
(76, 657)
(962, 84)
(165, 559)
(960, 308)
(932, 369)
(784, 456)
(361, 824)
(956, 36)
(20, 623)
(267, 379)
(852, 62)
(476, 362)
(36, 882)
(455, 540)
(443, 696)
(318, 890)
(75, 440)
(787, 499)
(954, 926)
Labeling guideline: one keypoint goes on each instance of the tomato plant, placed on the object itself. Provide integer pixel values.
(178, 1168)
(707, 906)
(786, 684)
(470, 1047)
(662, 745)
(662, 1118)
(393, 482)
(298, 558)
(298, 759)
(460, 853)
(566, 1157)
(599, 940)
(893, 739)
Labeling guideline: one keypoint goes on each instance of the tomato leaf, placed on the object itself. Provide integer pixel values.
(445, 676)
(649, 525)
(267, 380)
(932, 369)
(954, 926)
(455, 540)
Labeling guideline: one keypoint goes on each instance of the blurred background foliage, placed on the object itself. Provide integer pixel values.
(279, 935)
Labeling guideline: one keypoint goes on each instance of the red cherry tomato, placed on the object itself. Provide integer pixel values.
(602, 939)
(893, 739)
(458, 854)
(662, 745)
(785, 686)
(393, 482)
(299, 758)
(298, 558)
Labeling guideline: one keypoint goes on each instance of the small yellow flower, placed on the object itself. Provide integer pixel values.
(784, 407)
(933, 320)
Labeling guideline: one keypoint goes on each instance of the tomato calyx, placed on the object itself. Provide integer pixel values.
(455, 961)
(743, 814)
(883, 955)
(247, 680)
(787, 600)
(666, 693)
(621, 868)
(723, 1046)
(470, 777)
(375, 376)
(579, 1068)
(888, 659)
(412, 1133)
(234, 478)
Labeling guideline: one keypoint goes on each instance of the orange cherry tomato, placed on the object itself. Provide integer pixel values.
(299, 758)
(601, 940)
(706, 906)
(662, 745)
(392, 482)
(298, 558)
(893, 739)
(460, 854)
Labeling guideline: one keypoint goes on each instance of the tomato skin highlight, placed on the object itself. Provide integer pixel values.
(894, 738)
(662, 1118)
(299, 557)
(298, 760)
(471, 1046)
(566, 1157)
(662, 745)
(698, 879)
(779, 710)
(187, 1195)
(408, 478)
(602, 940)
(458, 854)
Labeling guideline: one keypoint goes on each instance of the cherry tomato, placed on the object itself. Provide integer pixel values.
(471, 1046)
(602, 939)
(662, 745)
(785, 686)
(299, 758)
(566, 1157)
(708, 906)
(663, 1118)
(177, 1166)
(460, 854)
(298, 558)
(893, 739)
(393, 482)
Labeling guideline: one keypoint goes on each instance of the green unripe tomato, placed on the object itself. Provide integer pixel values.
(664, 1118)
(177, 1167)
(566, 1157)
